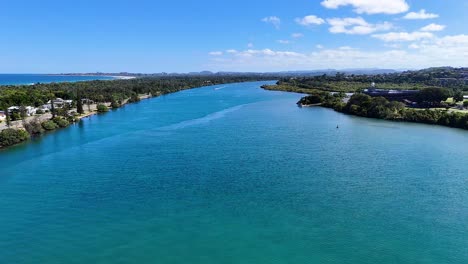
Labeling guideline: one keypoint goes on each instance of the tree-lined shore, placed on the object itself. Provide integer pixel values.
(81, 99)
(440, 100)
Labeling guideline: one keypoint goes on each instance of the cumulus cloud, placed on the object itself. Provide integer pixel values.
(318, 46)
(355, 25)
(420, 15)
(231, 51)
(265, 53)
(310, 20)
(216, 53)
(403, 36)
(448, 50)
(370, 6)
(433, 27)
(250, 45)
(297, 35)
(274, 20)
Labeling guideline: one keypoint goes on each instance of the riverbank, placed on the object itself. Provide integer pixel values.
(362, 105)
(109, 95)
(247, 183)
(39, 124)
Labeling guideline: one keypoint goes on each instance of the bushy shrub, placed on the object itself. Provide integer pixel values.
(12, 136)
(39, 112)
(311, 99)
(102, 108)
(73, 118)
(115, 103)
(15, 116)
(134, 98)
(61, 122)
(49, 125)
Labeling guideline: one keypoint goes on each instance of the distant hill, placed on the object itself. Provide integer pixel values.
(371, 71)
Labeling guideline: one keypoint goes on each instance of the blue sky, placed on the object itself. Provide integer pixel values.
(256, 35)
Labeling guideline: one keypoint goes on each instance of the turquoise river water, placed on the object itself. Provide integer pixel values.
(235, 174)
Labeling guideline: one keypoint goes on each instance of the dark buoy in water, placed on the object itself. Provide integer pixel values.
(337, 127)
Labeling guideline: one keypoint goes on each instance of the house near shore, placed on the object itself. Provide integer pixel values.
(58, 103)
(28, 110)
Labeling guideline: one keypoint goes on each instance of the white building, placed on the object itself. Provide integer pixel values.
(58, 103)
(29, 110)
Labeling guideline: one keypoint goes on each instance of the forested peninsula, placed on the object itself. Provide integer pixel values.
(436, 96)
(31, 110)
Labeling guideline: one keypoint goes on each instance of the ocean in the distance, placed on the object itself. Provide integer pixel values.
(236, 174)
(18, 79)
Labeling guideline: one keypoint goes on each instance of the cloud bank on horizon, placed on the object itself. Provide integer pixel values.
(354, 34)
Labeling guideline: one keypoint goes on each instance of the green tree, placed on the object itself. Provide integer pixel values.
(101, 108)
(10, 136)
(458, 96)
(79, 104)
(433, 96)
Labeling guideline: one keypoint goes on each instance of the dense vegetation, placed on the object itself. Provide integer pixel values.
(115, 92)
(10, 136)
(378, 107)
(440, 88)
(453, 78)
(107, 91)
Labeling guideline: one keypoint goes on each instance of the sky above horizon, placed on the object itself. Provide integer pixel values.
(52, 36)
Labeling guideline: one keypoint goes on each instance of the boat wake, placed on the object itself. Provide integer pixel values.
(200, 121)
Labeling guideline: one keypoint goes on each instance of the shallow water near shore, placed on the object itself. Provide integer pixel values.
(235, 174)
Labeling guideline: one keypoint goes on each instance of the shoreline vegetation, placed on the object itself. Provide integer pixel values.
(31, 110)
(440, 98)
(432, 96)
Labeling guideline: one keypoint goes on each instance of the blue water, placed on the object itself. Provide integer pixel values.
(236, 174)
(17, 79)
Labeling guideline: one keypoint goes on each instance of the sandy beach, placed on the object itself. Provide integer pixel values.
(123, 77)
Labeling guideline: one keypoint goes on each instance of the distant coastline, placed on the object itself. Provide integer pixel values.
(115, 77)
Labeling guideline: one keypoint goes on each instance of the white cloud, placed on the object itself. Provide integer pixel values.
(433, 27)
(370, 6)
(444, 51)
(283, 41)
(357, 25)
(393, 45)
(454, 41)
(250, 45)
(297, 35)
(310, 20)
(318, 46)
(403, 36)
(216, 53)
(231, 51)
(420, 15)
(274, 20)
